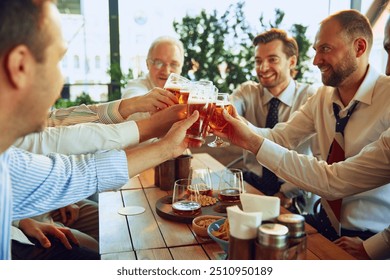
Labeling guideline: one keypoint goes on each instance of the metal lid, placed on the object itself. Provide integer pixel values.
(294, 222)
(274, 235)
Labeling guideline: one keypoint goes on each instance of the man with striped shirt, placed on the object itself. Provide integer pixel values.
(30, 82)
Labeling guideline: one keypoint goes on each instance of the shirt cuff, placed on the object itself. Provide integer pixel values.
(377, 247)
(109, 112)
(128, 133)
(110, 178)
(270, 154)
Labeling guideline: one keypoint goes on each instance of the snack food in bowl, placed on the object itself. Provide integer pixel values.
(201, 223)
(219, 232)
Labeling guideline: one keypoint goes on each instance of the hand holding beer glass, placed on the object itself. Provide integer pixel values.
(202, 99)
(217, 121)
(179, 86)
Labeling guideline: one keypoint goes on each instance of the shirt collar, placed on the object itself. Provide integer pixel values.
(286, 96)
(150, 80)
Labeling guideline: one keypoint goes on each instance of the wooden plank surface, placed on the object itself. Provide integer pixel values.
(174, 233)
(325, 249)
(113, 230)
(144, 231)
(156, 238)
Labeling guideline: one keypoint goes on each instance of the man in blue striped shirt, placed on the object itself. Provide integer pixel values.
(31, 47)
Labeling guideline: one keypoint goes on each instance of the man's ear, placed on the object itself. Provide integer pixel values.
(17, 65)
(360, 45)
(293, 61)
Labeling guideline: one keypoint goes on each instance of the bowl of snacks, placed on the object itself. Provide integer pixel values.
(201, 223)
(219, 232)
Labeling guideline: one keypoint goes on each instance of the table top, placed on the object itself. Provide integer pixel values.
(148, 236)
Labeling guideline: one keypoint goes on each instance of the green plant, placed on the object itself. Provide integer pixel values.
(83, 98)
(219, 47)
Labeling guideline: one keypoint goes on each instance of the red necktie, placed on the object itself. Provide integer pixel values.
(336, 154)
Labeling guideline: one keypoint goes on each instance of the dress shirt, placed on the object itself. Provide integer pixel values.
(52, 182)
(138, 87)
(103, 113)
(368, 210)
(365, 171)
(81, 139)
(251, 101)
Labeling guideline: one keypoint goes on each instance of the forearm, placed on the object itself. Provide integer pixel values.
(107, 113)
(147, 156)
(81, 139)
(365, 171)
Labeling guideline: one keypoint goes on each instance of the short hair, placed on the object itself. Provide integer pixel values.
(290, 45)
(166, 39)
(353, 25)
(21, 24)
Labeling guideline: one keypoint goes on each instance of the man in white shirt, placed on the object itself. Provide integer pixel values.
(81, 217)
(165, 56)
(364, 171)
(342, 46)
(276, 56)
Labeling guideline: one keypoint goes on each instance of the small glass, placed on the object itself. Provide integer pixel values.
(217, 121)
(231, 185)
(185, 199)
(202, 179)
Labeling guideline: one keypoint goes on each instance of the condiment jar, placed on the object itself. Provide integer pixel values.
(296, 235)
(272, 242)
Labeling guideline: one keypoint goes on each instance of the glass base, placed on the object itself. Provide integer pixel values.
(218, 143)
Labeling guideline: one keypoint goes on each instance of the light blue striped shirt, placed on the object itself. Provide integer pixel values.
(51, 182)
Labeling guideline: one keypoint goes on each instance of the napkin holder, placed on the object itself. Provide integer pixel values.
(242, 233)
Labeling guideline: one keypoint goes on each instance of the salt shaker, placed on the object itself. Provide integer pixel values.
(272, 242)
(296, 237)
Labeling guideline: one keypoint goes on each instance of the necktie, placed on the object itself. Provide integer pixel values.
(269, 179)
(336, 153)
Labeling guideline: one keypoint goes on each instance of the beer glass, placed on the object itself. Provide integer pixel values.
(202, 99)
(231, 185)
(217, 121)
(185, 199)
(179, 86)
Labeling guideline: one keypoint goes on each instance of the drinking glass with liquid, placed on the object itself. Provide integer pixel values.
(185, 199)
(179, 86)
(217, 120)
(202, 99)
(231, 185)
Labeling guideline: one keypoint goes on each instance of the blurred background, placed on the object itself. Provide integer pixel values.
(109, 39)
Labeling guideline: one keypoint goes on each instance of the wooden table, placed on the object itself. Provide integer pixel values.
(149, 237)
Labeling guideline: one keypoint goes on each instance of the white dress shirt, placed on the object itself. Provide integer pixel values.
(369, 210)
(364, 171)
(81, 139)
(251, 101)
(137, 87)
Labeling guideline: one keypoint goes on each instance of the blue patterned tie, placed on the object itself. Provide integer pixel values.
(269, 179)
(336, 154)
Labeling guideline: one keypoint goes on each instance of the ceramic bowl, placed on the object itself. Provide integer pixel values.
(201, 223)
(214, 227)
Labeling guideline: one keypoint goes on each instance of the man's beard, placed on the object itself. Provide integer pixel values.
(340, 72)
